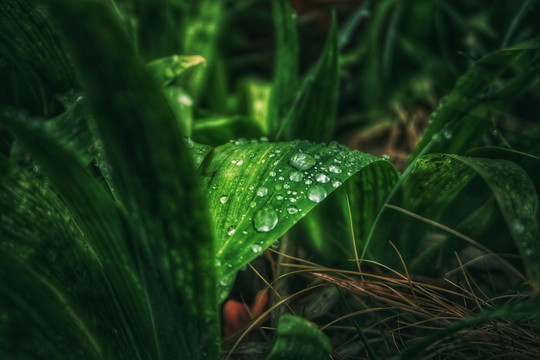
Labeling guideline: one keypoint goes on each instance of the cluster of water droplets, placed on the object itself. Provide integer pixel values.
(307, 174)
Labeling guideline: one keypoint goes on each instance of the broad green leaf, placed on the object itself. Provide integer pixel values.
(299, 339)
(100, 219)
(154, 176)
(54, 298)
(286, 81)
(518, 202)
(313, 113)
(258, 190)
(462, 116)
(328, 226)
(29, 41)
(168, 68)
(443, 188)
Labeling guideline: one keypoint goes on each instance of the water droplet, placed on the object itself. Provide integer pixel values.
(278, 187)
(275, 244)
(292, 209)
(335, 169)
(385, 157)
(256, 248)
(279, 197)
(231, 230)
(251, 187)
(286, 186)
(223, 199)
(292, 199)
(308, 182)
(317, 194)
(518, 227)
(272, 173)
(447, 134)
(322, 178)
(281, 178)
(239, 162)
(252, 204)
(262, 191)
(265, 219)
(336, 183)
(296, 176)
(302, 161)
(241, 141)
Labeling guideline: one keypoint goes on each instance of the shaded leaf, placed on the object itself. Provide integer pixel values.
(286, 80)
(299, 339)
(312, 115)
(153, 174)
(54, 299)
(462, 116)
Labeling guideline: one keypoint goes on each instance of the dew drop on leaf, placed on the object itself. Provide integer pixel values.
(335, 169)
(223, 199)
(322, 178)
(302, 161)
(256, 248)
(336, 183)
(265, 219)
(231, 230)
(262, 191)
(296, 176)
(292, 209)
(317, 194)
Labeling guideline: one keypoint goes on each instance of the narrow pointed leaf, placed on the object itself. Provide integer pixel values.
(286, 68)
(258, 190)
(461, 116)
(299, 339)
(313, 113)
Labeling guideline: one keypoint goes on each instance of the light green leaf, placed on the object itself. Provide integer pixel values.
(299, 339)
(258, 190)
(166, 69)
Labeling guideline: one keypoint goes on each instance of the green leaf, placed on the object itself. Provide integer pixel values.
(219, 130)
(462, 116)
(201, 24)
(299, 339)
(54, 298)
(312, 116)
(30, 42)
(154, 176)
(258, 190)
(518, 202)
(168, 68)
(443, 188)
(286, 80)
(101, 220)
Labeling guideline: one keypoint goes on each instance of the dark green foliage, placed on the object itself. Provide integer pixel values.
(120, 235)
